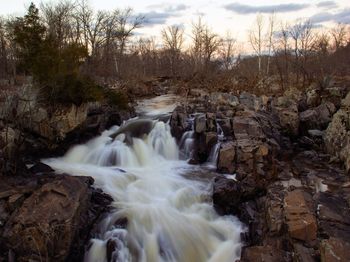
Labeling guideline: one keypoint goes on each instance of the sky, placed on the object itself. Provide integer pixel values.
(222, 16)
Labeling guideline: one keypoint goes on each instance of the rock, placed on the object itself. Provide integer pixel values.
(337, 136)
(226, 195)
(178, 122)
(226, 127)
(4, 213)
(314, 133)
(46, 225)
(287, 111)
(8, 142)
(250, 101)
(274, 210)
(246, 126)
(300, 219)
(313, 96)
(333, 216)
(304, 254)
(211, 122)
(262, 254)
(334, 250)
(317, 118)
(226, 158)
(224, 99)
(200, 124)
(40, 168)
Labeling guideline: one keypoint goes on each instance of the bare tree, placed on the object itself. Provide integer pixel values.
(256, 38)
(303, 37)
(339, 35)
(173, 38)
(205, 44)
(283, 49)
(227, 51)
(271, 31)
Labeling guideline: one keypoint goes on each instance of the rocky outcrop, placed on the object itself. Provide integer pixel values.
(316, 118)
(178, 122)
(286, 109)
(337, 136)
(48, 217)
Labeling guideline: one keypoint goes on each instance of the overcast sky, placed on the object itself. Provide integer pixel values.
(222, 16)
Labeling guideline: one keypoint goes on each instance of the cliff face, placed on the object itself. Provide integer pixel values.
(337, 136)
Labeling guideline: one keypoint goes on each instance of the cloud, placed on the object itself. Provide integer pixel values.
(176, 8)
(327, 4)
(166, 7)
(162, 13)
(321, 17)
(154, 18)
(250, 9)
(342, 16)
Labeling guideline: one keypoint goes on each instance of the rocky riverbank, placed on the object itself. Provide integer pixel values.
(48, 217)
(288, 156)
(282, 165)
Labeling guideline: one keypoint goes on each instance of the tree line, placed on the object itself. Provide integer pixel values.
(68, 47)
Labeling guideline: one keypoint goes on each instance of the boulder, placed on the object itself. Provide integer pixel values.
(226, 195)
(46, 225)
(262, 254)
(316, 118)
(226, 158)
(200, 123)
(287, 112)
(250, 101)
(300, 219)
(334, 250)
(178, 122)
(337, 136)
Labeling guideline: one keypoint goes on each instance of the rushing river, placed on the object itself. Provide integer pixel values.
(168, 209)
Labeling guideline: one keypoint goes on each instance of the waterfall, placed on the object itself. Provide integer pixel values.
(214, 152)
(169, 217)
(187, 144)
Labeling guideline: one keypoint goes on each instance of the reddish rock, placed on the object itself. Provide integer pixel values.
(335, 250)
(226, 158)
(262, 254)
(300, 219)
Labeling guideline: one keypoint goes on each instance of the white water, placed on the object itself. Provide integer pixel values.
(170, 218)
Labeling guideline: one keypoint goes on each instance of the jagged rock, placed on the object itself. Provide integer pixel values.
(8, 140)
(287, 111)
(274, 210)
(203, 145)
(226, 126)
(47, 224)
(337, 136)
(300, 219)
(313, 96)
(304, 254)
(200, 124)
(224, 99)
(211, 122)
(178, 122)
(317, 118)
(262, 254)
(226, 158)
(250, 101)
(226, 195)
(334, 250)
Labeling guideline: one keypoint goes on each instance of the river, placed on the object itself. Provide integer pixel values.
(165, 201)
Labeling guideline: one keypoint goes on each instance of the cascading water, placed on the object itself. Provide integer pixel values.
(169, 217)
(214, 153)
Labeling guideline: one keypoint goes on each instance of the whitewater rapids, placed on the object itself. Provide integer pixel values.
(170, 217)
